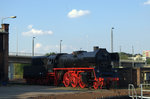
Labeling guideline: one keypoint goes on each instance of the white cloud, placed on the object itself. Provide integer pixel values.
(74, 13)
(34, 32)
(30, 26)
(39, 48)
(147, 2)
(38, 45)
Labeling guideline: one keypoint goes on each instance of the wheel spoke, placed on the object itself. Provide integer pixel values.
(66, 79)
(95, 85)
(74, 80)
(81, 83)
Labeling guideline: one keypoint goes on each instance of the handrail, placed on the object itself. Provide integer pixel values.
(133, 93)
(142, 96)
(131, 88)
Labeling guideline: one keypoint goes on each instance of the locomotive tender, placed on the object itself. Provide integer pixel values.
(81, 68)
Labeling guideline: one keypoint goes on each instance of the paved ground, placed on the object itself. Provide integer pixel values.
(25, 91)
(50, 92)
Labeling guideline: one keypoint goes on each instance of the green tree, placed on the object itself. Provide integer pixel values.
(51, 53)
(18, 70)
(123, 55)
(148, 60)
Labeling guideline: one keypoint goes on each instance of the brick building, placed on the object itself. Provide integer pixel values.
(146, 53)
(4, 39)
(134, 76)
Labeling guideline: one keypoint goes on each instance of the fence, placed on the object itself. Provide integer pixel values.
(144, 91)
(24, 54)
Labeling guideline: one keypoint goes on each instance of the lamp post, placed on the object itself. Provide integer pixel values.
(60, 45)
(17, 32)
(120, 57)
(132, 56)
(7, 18)
(17, 45)
(33, 46)
(112, 39)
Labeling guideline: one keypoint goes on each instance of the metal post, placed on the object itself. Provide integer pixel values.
(33, 46)
(112, 39)
(132, 91)
(2, 20)
(17, 45)
(146, 62)
(120, 57)
(141, 91)
(132, 56)
(60, 45)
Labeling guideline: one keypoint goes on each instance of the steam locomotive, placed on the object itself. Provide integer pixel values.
(80, 68)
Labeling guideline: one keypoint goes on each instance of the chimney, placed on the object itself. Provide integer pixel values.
(96, 48)
(5, 27)
(4, 49)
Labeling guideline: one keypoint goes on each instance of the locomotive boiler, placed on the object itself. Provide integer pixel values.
(78, 68)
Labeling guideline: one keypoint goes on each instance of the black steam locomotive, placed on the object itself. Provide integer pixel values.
(79, 68)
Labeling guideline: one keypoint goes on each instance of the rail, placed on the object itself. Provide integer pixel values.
(23, 54)
(127, 60)
(143, 88)
(132, 91)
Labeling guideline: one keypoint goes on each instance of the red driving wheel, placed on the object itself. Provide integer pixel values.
(74, 80)
(66, 79)
(95, 85)
(81, 83)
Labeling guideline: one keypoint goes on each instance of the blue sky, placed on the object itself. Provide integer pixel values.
(80, 24)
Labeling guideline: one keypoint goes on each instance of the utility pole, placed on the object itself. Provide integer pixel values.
(120, 57)
(132, 56)
(33, 46)
(112, 63)
(60, 45)
(112, 39)
(17, 45)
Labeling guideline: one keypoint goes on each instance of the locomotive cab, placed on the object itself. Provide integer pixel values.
(104, 62)
(37, 69)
